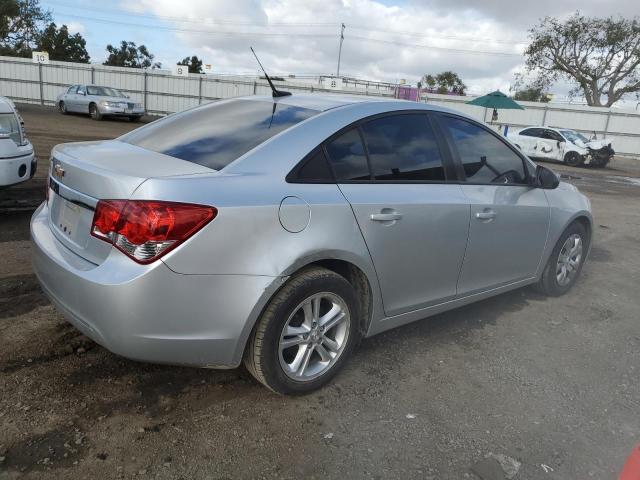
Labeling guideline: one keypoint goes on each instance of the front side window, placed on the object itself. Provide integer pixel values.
(9, 126)
(72, 89)
(403, 147)
(215, 134)
(104, 92)
(347, 157)
(551, 135)
(81, 90)
(485, 158)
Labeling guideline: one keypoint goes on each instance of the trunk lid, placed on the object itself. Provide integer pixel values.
(83, 173)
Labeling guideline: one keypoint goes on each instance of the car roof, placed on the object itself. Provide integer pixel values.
(325, 101)
(6, 106)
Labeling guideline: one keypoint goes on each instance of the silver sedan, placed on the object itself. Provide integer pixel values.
(99, 102)
(280, 232)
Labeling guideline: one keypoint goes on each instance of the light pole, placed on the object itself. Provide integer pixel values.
(340, 49)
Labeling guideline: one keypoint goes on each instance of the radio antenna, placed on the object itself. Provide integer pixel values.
(274, 91)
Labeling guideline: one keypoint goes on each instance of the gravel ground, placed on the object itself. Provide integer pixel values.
(518, 386)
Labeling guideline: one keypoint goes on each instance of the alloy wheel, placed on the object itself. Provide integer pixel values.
(314, 336)
(569, 260)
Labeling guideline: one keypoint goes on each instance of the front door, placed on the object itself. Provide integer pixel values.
(509, 218)
(414, 223)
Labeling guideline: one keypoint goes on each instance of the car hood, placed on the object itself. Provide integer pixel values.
(598, 144)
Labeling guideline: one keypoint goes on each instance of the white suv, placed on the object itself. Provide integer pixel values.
(563, 145)
(17, 161)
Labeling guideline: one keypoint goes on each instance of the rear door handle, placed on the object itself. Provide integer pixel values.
(385, 217)
(486, 215)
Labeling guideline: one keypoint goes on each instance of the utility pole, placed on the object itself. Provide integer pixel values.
(340, 50)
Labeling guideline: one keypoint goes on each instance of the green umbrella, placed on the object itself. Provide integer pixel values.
(496, 100)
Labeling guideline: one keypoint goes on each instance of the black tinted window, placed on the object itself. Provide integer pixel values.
(403, 147)
(485, 158)
(347, 157)
(532, 132)
(216, 134)
(551, 135)
(315, 169)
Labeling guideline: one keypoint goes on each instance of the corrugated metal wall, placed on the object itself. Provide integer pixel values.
(163, 93)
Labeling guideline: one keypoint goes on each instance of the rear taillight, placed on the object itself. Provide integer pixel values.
(145, 230)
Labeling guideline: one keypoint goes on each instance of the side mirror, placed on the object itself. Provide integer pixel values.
(546, 178)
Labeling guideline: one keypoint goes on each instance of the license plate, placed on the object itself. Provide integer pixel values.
(69, 217)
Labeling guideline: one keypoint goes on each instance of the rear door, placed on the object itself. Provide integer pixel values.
(527, 139)
(70, 99)
(393, 173)
(509, 217)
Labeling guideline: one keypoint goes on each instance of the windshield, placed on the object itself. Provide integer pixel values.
(216, 134)
(9, 126)
(574, 136)
(104, 92)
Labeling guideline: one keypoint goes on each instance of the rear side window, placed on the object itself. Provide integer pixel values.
(347, 157)
(403, 147)
(216, 134)
(532, 132)
(485, 158)
(315, 169)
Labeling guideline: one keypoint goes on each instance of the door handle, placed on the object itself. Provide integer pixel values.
(385, 217)
(486, 215)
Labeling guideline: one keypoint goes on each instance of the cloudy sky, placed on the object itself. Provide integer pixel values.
(385, 40)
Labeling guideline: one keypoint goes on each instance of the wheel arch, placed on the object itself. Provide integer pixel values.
(583, 218)
(366, 290)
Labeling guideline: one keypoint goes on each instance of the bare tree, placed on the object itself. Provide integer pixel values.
(599, 56)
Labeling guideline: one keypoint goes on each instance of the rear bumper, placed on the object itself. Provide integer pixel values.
(149, 312)
(17, 169)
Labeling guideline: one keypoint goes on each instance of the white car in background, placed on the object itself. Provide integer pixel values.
(562, 145)
(17, 160)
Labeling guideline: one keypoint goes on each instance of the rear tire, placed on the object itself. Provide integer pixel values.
(94, 111)
(134, 118)
(299, 345)
(573, 159)
(567, 257)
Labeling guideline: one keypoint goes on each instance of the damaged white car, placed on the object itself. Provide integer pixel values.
(562, 145)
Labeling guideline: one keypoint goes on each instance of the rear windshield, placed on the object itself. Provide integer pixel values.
(216, 134)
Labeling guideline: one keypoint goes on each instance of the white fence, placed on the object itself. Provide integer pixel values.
(163, 93)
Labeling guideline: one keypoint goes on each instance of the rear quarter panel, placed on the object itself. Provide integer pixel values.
(247, 237)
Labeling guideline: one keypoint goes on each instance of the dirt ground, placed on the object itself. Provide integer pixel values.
(543, 388)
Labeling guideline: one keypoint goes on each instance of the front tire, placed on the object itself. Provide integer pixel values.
(573, 159)
(63, 108)
(94, 111)
(566, 261)
(306, 333)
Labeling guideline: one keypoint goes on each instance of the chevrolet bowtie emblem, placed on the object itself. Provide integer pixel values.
(58, 171)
